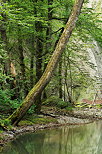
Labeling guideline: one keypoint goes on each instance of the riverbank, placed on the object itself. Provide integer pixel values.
(51, 118)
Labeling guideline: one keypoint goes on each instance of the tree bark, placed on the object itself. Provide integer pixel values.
(60, 66)
(45, 79)
(48, 37)
(38, 55)
(31, 70)
(71, 81)
(60, 78)
(22, 64)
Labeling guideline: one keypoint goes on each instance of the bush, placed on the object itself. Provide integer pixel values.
(61, 104)
(5, 101)
(32, 109)
(51, 101)
(56, 101)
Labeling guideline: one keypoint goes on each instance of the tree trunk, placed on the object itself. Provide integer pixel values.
(71, 81)
(31, 70)
(48, 37)
(60, 78)
(22, 64)
(45, 79)
(39, 51)
(31, 45)
(60, 67)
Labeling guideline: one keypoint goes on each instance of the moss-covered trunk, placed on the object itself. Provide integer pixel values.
(44, 80)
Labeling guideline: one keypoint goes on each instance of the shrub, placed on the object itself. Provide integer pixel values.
(61, 104)
(56, 101)
(51, 101)
(5, 101)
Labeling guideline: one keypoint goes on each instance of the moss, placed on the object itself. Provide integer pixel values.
(25, 123)
(81, 105)
(99, 106)
(44, 120)
(5, 125)
(37, 120)
(1, 131)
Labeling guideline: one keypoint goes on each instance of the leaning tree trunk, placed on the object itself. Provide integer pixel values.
(44, 80)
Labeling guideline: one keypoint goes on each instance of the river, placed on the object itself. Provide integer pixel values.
(79, 139)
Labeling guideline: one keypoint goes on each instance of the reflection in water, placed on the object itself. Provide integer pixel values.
(86, 139)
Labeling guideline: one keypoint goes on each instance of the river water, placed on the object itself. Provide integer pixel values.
(80, 139)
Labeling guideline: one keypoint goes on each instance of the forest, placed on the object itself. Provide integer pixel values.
(50, 76)
(46, 56)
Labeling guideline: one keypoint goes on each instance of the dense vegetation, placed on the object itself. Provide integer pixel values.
(29, 32)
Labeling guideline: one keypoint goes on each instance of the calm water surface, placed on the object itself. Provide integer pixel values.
(84, 139)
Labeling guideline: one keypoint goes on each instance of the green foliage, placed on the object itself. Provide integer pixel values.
(61, 104)
(99, 106)
(51, 101)
(3, 80)
(3, 53)
(1, 131)
(92, 28)
(55, 101)
(6, 124)
(31, 110)
(5, 101)
(69, 108)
